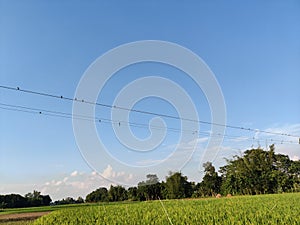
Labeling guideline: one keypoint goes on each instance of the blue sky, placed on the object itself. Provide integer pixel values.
(253, 48)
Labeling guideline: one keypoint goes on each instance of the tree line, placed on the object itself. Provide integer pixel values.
(255, 172)
(29, 200)
(69, 200)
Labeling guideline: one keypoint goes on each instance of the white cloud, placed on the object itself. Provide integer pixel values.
(108, 172)
(284, 144)
(241, 139)
(58, 183)
(75, 185)
(74, 174)
(116, 176)
(80, 184)
(198, 141)
(285, 129)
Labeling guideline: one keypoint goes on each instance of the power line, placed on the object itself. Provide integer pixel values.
(45, 112)
(83, 117)
(142, 111)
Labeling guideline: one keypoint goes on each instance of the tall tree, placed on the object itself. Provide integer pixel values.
(211, 183)
(36, 199)
(258, 172)
(294, 171)
(177, 186)
(99, 195)
(117, 193)
(149, 189)
(132, 193)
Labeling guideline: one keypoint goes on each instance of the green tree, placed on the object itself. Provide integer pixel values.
(99, 195)
(36, 199)
(80, 200)
(177, 186)
(132, 193)
(13, 201)
(149, 189)
(46, 200)
(211, 183)
(117, 193)
(152, 179)
(294, 171)
(258, 172)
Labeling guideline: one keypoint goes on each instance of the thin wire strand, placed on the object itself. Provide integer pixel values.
(52, 113)
(142, 111)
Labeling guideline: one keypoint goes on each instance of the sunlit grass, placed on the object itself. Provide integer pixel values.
(262, 209)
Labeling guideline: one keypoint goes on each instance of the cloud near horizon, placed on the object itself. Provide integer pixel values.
(78, 184)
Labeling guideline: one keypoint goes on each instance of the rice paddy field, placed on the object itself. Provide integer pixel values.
(260, 209)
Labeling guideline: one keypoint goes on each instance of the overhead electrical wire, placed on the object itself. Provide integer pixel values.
(142, 111)
(45, 112)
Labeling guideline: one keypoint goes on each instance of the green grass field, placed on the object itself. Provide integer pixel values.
(262, 209)
(39, 209)
(21, 211)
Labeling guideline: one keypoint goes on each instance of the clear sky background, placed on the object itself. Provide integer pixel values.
(253, 48)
